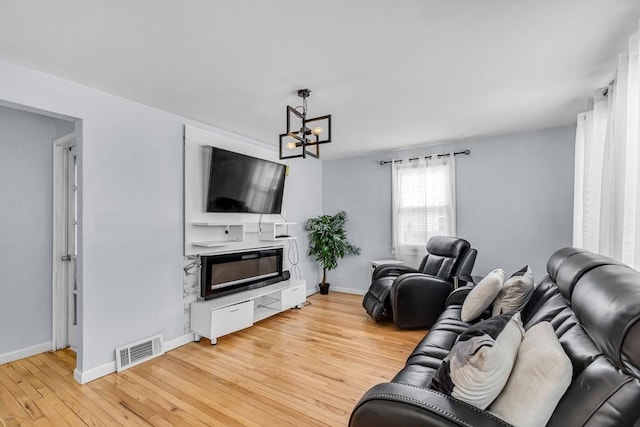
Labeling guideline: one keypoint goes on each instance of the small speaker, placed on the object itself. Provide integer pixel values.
(286, 275)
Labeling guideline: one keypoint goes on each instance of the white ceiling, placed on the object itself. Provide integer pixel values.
(392, 73)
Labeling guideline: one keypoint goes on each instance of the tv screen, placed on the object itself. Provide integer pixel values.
(240, 183)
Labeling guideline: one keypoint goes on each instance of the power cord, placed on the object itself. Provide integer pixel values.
(293, 256)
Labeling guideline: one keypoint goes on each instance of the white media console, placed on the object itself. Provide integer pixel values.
(224, 315)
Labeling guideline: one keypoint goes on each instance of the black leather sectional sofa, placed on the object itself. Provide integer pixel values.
(593, 303)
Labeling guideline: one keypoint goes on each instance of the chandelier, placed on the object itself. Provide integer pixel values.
(304, 135)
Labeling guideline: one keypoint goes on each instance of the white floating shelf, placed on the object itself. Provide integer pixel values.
(218, 234)
(216, 224)
(212, 244)
(274, 231)
(276, 239)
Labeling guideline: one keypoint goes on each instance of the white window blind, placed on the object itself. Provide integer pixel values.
(423, 203)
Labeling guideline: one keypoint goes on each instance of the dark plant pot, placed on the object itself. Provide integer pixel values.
(324, 290)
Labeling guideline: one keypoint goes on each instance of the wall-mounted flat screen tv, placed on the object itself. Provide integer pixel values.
(240, 183)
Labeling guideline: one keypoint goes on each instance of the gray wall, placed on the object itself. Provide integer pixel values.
(131, 224)
(301, 202)
(26, 227)
(514, 201)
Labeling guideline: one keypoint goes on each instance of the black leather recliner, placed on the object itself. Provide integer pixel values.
(414, 298)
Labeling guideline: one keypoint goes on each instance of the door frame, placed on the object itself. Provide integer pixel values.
(60, 307)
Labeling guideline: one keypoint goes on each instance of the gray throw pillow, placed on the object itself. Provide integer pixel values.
(479, 364)
(515, 293)
(541, 375)
(482, 295)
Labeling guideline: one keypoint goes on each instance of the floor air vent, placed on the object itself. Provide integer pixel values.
(137, 352)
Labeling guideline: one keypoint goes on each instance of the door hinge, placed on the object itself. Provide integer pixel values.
(66, 258)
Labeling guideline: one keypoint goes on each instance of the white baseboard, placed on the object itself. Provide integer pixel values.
(347, 290)
(25, 352)
(315, 290)
(177, 342)
(84, 377)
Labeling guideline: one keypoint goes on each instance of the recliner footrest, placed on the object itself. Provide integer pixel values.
(376, 301)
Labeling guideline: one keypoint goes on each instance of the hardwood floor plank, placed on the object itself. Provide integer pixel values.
(156, 402)
(133, 411)
(16, 388)
(6, 419)
(13, 407)
(72, 395)
(237, 409)
(50, 413)
(186, 401)
(281, 381)
(302, 367)
(244, 388)
(77, 397)
(9, 422)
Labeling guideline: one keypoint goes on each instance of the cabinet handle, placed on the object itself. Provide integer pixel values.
(294, 289)
(231, 311)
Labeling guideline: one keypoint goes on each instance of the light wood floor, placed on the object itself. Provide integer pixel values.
(303, 367)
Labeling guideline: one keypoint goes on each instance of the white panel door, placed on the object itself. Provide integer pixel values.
(71, 164)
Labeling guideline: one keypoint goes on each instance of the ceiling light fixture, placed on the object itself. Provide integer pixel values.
(303, 134)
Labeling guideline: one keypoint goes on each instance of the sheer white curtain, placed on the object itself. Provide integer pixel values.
(423, 204)
(606, 202)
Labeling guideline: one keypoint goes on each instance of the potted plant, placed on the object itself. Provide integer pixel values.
(328, 243)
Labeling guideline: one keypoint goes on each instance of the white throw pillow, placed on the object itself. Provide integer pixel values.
(478, 366)
(539, 379)
(515, 293)
(482, 295)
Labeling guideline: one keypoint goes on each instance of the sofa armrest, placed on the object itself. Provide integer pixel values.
(393, 404)
(417, 299)
(459, 295)
(385, 270)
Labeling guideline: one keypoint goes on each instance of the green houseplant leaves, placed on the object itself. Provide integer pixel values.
(328, 241)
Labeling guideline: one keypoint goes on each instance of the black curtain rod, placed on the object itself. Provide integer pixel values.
(465, 152)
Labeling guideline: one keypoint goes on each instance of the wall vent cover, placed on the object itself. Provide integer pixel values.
(137, 352)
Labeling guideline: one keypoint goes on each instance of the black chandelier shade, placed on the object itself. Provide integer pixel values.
(304, 135)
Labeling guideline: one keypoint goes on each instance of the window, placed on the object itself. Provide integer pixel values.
(423, 202)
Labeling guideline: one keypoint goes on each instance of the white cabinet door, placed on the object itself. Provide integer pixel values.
(231, 318)
(295, 295)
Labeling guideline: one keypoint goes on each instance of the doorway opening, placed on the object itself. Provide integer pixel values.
(28, 260)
